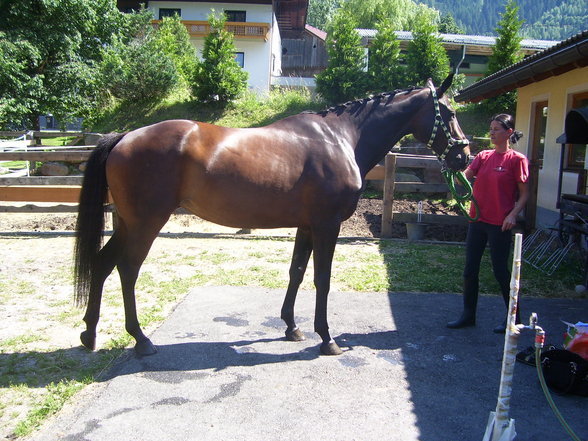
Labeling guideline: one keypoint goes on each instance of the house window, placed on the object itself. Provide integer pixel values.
(538, 139)
(577, 152)
(238, 16)
(240, 58)
(169, 12)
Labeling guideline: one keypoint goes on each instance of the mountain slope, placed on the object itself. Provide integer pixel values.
(544, 19)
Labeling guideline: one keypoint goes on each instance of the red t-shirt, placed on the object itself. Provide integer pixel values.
(496, 186)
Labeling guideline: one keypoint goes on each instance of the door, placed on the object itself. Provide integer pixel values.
(539, 123)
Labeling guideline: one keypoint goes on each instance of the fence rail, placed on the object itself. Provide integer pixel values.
(40, 133)
(66, 189)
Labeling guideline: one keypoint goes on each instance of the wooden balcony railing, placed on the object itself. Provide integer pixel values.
(245, 30)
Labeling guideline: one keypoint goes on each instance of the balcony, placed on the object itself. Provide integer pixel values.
(241, 30)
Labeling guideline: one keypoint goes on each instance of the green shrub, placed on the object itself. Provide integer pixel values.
(173, 40)
(138, 71)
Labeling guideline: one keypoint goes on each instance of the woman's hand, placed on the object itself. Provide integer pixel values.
(509, 222)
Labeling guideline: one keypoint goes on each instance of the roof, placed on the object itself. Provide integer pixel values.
(556, 60)
(322, 35)
(475, 44)
(291, 16)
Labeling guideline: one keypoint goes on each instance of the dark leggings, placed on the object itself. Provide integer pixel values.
(480, 234)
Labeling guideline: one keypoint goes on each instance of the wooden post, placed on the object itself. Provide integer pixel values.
(389, 184)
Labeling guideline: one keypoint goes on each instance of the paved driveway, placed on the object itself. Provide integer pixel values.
(224, 372)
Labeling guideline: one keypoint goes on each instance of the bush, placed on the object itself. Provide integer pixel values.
(173, 40)
(138, 71)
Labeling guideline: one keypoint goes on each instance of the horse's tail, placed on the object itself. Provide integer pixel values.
(90, 222)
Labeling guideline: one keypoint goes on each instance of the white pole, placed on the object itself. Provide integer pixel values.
(502, 423)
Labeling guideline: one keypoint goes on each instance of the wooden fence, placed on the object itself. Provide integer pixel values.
(52, 189)
(66, 189)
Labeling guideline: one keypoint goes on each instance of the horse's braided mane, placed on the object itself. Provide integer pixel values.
(360, 103)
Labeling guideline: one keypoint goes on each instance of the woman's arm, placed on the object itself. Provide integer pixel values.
(511, 219)
(469, 173)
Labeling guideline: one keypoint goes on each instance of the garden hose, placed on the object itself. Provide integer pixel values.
(539, 341)
(450, 177)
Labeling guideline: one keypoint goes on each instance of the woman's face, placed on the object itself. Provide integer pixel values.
(498, 134)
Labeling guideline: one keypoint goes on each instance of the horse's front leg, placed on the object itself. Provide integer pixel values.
(324, 241)
(300, 257)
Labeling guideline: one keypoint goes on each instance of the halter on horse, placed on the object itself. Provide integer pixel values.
(305, 171)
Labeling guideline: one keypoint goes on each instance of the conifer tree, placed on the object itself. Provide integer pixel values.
(507, 49)
(218, 76)
(426, 57)
(385, 72)
(506, 52)
(344, 77)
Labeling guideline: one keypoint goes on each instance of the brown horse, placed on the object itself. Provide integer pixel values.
(305, 171)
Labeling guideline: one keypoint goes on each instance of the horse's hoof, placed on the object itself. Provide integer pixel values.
(295, 335)
(145, 347)
(88, 340)
(330, 348)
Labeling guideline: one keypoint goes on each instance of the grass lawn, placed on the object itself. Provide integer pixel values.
(42, 365)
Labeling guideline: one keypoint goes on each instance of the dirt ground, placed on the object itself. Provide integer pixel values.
(365, 222)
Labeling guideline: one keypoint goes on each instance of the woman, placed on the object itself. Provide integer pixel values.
(501, 191)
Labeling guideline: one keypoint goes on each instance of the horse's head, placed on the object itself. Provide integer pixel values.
(437, 126)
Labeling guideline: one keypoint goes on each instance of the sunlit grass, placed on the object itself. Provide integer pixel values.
(56, 394)
(251, 110)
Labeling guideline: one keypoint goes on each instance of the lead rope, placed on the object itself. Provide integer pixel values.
(461, 200)
(450, 175)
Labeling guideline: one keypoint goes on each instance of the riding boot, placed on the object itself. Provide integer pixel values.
(470, 303)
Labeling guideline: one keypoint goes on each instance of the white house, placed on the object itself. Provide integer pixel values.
(258, 26)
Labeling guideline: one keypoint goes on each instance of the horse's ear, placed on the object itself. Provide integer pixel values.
(430, 83)
(446, 83)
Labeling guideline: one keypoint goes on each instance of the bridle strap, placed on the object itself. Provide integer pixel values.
(450, 175)
(451, 141)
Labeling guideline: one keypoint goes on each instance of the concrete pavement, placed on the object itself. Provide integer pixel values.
(223, 371)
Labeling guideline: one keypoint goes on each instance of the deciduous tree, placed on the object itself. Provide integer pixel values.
(400, 14)
(173, 39)
(50, 50)
(321, 12)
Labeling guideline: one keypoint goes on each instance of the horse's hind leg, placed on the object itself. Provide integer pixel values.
(300, 257)
(103, 266)
(138, 240)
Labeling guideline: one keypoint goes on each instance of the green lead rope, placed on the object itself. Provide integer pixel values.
(450, 177)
